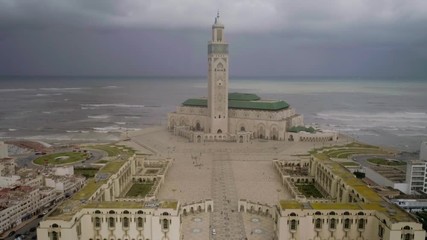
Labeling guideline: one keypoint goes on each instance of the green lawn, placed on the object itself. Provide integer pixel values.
(382, 161)
(139, 190)
(114, 150)
(61, 158)
(309, 190)
(86, 172)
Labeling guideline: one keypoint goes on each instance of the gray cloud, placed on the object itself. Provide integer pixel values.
(287, 37)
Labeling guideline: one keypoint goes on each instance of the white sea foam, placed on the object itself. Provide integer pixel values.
(111, 87)
(47, 94)
(62, 89)
(386, 119)
(72, 131)
(108, 105)
(16, 89)
(99, 116)
(132, 117)
(12, 129)
(120, 123)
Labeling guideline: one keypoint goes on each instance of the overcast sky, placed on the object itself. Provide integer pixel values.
(168, 37)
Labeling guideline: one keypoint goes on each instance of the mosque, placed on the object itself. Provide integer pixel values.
(237, 117)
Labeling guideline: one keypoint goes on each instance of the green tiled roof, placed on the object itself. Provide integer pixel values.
(243, 96)
(242, 101)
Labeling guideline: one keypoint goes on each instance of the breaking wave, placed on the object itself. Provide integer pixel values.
(109, 105)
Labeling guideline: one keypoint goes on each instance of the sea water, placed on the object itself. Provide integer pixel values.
(385, 112)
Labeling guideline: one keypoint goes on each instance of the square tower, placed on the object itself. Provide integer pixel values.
(218, 80)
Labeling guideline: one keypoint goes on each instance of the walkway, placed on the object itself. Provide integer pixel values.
(226, 220)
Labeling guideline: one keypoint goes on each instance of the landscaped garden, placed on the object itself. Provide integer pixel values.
(88, 172)
(309, 190)
(61, 158)
(139, 190)
(347, 151)
(113, 150)
(385, 162)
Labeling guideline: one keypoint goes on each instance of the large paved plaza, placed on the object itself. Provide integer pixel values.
(224, 172)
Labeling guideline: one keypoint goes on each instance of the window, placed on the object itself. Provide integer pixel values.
(139, 222)
(407, 236)
(97, 222)
(346, 223)
(125, 222)
(165, 224)
(54, 235)
(293, 225)
(111, 222)
(332, 223)
(318, 223)
(361, 224)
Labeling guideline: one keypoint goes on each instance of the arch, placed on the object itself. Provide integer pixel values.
(165, 224)
(199, 208)
(240, 139)
(198, 127)
(219, 66)
(318, 223)
(54, 235)
(242, 208)
(291, 138)
(219, 131)
(242, 128)
(293, 225)
(209, 208)
(185, 212)
(261, 131)
(199, 138)
(274, 133)
(140, 222)
(55, 225)
(347, 223)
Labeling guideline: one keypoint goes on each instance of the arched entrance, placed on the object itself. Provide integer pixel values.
(242, 129)
(198, 127)
(219, 131)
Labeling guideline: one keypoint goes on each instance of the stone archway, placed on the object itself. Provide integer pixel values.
(219, 131)
(198, 127)
(242, 129)
(291, 138)
(261, 131)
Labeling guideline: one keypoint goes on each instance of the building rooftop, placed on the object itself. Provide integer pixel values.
(242, 101)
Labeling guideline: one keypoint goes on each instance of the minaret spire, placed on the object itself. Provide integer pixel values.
(217, 16)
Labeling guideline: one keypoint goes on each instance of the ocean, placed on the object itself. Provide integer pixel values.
(384, 112)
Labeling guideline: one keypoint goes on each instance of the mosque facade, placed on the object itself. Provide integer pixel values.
(238, 117)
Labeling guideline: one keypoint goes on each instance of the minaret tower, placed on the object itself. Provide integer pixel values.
(218, 80)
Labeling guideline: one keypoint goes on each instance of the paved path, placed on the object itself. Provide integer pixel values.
(226, 220)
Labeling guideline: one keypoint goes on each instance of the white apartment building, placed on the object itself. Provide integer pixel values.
(17, 204)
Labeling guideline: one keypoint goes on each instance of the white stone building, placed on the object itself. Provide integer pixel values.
(348, 210)
(103, 210)
(16, 205)
(237, 117)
